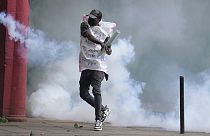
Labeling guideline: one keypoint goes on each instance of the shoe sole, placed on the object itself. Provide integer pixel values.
(97, 129)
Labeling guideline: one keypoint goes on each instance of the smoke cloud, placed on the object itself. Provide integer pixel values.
(167, 38)
(53, 78)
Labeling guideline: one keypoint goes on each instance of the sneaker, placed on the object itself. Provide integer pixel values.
(98, 125)
(105, 114)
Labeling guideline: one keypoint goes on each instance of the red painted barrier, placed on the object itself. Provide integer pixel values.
(3, 6)
(15, 67)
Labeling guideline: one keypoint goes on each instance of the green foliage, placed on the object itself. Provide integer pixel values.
(77, 126)
(3, 119)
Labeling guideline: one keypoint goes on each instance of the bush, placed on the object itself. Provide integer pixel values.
(3, 120)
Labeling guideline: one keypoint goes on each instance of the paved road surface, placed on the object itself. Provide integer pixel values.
(42, 127)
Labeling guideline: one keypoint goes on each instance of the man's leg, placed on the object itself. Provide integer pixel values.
(85, 80)
(97, 78)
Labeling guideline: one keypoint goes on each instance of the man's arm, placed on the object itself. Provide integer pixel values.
(108, 49)
(85, 32)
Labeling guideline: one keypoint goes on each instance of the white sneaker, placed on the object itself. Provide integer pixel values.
(105, 114)
(98, 125)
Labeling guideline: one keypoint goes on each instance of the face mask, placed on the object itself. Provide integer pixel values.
(91, 21)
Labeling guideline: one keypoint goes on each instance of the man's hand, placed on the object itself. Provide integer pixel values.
(108, 50)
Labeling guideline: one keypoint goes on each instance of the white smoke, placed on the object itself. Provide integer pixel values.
(53, 89)
(53, 77)
(17, 30)
(197, 103)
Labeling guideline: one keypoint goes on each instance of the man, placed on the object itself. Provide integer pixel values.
(92, 66)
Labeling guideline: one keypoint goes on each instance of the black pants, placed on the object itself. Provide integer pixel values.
(93, 78)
